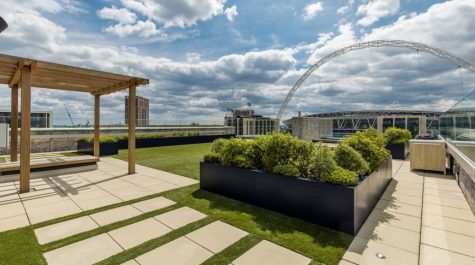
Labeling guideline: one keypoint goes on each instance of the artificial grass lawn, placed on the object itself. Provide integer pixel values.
(2, 160)
(324, 246)
(179, 159)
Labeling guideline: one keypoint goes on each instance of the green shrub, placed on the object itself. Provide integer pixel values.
(218, 145)
(397, 136)
(369, 146)
(212, 158)
(288, 170)
(235, 153)
(102, 139)
(280, 150)
(341, 176)
(348, 158)
(257, 149)
(322, 163)
(304, 151)
(374, 137)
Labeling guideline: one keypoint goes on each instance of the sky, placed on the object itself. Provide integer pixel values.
(206, 56)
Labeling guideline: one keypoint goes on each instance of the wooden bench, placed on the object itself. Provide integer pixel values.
(48, 164)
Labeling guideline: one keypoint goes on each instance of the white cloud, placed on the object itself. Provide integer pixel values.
(122, 15)
(231, 13)
(177, 13)
(311, 10)
(342, 10)
(200, 88)
(142, 29)
(375, 10)
(193, 57)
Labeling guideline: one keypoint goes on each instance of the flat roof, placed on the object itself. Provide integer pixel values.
(375, 112)
(64, 77)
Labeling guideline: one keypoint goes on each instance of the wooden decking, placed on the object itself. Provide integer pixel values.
(48, 163)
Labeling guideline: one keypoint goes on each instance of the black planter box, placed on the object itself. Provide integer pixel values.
(106, 149)
(167, 141)
(338, 207)
(398, 151)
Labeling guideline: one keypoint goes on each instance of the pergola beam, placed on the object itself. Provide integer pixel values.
(120, 86)
(25, 129)
(17, 75)
(16, 72)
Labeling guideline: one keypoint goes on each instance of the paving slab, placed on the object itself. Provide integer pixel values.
(13, 222)
(391, 236)
(403, 208)
(453, 242)
(436, 256)
(449, 224)
(180, 217)
(137, 233)
(402, 198)
(161, 187)
(462, 214)
(115, 215)
(363, 251)
(444, 201)
(395, 219)
(64, 229)
(84, 252)
(268, 253)
(153, 204)
(97, 202)
(216, 236)
(181, 251)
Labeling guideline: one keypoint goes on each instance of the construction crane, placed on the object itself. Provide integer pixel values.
(69, 114)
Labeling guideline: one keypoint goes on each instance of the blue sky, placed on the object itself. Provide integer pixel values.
(204, 56)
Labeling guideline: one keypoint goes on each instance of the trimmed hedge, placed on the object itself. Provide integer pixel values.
(116, 138)
(397, 136)
(283, 154)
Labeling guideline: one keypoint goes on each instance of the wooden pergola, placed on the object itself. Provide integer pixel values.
(25, 73)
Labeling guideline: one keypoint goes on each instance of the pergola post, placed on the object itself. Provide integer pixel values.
(25, 129)
(131, 147)
(14, 124)
(97, 116)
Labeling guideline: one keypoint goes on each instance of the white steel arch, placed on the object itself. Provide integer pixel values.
(373, 44)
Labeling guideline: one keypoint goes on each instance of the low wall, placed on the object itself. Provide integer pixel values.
(47, 144)
(65, 139)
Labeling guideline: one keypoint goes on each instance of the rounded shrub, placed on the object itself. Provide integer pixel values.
(212, 158)
(280, 150)
(348, 158)
(397, 136)
(234, 153)
(322, 163)
(288, 170)
(369, 146)
(218, 144)
(341, 176)
(257, 148)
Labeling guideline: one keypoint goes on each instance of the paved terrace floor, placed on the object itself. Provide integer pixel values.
(63, 195)
(422, 218)
(55, 197)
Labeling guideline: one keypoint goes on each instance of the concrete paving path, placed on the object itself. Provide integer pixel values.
(422, 218)
(63, 195)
